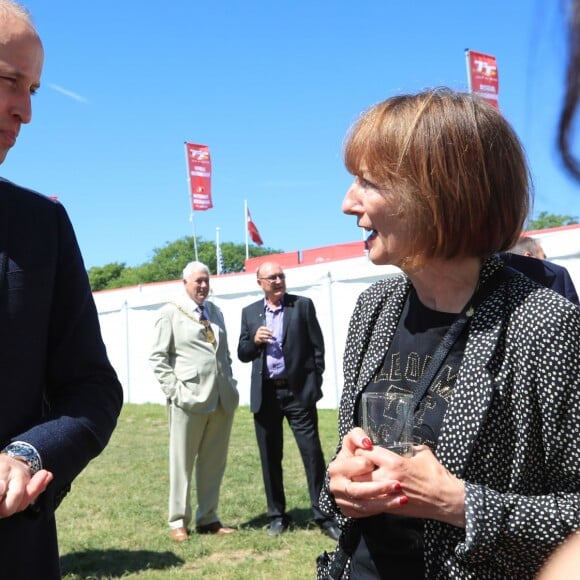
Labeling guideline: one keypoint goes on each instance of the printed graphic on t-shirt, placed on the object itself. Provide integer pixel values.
(418, 334)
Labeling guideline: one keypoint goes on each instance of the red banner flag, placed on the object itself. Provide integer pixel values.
(483, 76)
(199, 176)
(253, 230)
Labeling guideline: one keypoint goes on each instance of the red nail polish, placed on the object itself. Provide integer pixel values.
(403, 500)
(367, 443)
(397, 487)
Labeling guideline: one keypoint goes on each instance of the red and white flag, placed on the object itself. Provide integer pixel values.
(199, 176)
(482, 76)
(253, 230)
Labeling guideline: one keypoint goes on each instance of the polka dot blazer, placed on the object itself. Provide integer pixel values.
(511, 431)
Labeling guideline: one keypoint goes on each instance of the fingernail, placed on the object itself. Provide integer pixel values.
(367, 443)
(397, 487)
(403, 500)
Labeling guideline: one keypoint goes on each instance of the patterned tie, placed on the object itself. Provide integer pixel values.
(208, 332)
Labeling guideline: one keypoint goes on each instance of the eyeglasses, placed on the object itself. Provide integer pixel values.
(274, 277)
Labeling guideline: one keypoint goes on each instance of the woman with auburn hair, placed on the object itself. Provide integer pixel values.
(491, 358)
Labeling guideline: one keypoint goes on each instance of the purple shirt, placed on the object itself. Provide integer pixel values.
(275, 366)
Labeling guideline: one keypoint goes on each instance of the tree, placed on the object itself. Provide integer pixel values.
(547, 220)
(168, 263)
(101, 277)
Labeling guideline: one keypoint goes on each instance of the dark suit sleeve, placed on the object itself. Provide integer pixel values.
(316, 338)
(247, 349)
(82, 395)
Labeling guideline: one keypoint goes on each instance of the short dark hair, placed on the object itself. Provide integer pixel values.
(456, 165)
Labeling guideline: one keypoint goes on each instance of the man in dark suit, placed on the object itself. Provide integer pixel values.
(529, 258)
(60, 395)
(282, 338)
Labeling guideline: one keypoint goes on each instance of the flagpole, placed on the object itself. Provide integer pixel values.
(469, 87)
(192, 211)
(246, 228)
(192, 220)
(217, 251)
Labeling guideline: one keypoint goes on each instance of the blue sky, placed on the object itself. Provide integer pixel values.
(271, 88)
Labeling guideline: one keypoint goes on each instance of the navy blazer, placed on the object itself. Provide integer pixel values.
(59, 391)
(302, 345)
(545, 273)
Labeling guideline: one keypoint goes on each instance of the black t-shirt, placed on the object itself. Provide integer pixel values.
(392, 546)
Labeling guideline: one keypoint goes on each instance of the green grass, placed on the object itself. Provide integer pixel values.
(113, 523)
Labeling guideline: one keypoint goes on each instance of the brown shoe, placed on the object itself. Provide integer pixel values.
(178, 534)
(214, 528)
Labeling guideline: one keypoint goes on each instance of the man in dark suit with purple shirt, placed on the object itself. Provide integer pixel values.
(281, 336)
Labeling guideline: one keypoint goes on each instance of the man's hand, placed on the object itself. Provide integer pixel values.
(263, 336)
(17, 488)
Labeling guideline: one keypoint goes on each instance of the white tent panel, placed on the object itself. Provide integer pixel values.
(127, 315)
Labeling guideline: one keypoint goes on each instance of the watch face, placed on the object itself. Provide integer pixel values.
(25, 452)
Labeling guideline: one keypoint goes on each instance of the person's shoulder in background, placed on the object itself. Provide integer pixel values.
(543, 272)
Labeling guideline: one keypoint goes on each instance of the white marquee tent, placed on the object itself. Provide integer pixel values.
(127, 315)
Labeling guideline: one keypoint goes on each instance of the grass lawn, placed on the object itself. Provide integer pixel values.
(113, 523)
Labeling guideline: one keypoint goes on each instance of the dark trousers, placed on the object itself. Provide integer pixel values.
(268, 422)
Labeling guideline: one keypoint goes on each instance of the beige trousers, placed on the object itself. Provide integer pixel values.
(199, 440)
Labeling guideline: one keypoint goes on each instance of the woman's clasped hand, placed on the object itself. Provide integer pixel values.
(368, 480)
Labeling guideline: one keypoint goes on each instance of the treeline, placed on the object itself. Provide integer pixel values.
(168, 263)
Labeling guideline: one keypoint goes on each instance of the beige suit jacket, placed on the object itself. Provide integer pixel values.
(193, 373)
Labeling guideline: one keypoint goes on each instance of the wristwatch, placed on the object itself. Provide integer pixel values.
(26, 453)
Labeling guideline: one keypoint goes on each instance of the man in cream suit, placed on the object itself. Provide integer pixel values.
(192, 363)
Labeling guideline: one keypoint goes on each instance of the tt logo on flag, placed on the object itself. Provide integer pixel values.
(485, 67)
(199, 154)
